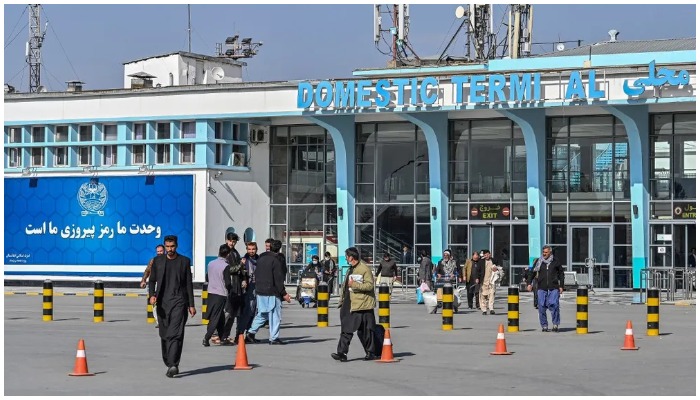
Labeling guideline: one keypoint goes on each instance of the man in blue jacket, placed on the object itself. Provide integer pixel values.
(549, 275)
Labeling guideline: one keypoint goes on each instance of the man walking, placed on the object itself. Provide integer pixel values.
(356, 305)
(219, 286)
(250, 262)
(174, 296)
(160, 250)
(471, 274)
(489, 279)
(269, 280)
(387, 271)
(549, 275)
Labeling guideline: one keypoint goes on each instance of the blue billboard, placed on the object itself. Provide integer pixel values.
(94, 221)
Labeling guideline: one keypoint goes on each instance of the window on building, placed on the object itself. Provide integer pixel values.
(218, 130)
(673, 156)
(14, 157)
(38, 134)
(60, 157)
(163, 130)
(85, 133)
(238, 156)
(189, 130)
(139, 132)
(110, 132)
(219, 156)
(14, 135)
(61, 134)
(162, 154)
(109, 155)
(187, 153)
(85, 155)
(37, 157)
(138, 154)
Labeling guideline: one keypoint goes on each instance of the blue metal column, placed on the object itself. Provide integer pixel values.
(342, 130)
(636, 120)
(435, 126)
(533, 123)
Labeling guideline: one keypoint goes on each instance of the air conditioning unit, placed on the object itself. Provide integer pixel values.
(258, 133)
(238, 159)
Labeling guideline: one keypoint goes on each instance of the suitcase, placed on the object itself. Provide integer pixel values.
(378, 339)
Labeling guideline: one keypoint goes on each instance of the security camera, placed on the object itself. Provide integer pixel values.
(211, 190)
(218, 174)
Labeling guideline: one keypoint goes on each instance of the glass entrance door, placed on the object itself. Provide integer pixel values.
(495, 238)
(590, 254)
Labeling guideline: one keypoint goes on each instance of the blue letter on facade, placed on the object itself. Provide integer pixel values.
(324, 101)
(496, 85)
(429, 100)
(362, 92)
(383, 97)
(477, 86)
(305, 95)
(520, 90)
(344, 95)
(592, 92)
(575, 86)
(459, 82)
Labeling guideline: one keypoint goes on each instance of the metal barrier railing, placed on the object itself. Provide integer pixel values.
(672, 282)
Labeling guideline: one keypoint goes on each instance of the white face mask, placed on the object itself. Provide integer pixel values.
(315, 262)
(327, 258)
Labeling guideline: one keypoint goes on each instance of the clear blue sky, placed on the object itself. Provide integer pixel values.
(90, 42)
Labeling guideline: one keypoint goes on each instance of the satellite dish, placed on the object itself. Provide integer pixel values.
(459, 12)
(42, 89)
(217, 73)
(560, 46)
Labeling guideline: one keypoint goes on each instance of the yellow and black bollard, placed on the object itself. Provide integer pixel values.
(384, 311)
(48, 301)
(653, 312)
(149, 311)
(447, 310)
(513, 309)
(322, 305)
(205, 295)
(99, 307)
(582, 310)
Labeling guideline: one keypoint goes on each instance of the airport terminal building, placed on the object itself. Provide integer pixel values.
(590, 150)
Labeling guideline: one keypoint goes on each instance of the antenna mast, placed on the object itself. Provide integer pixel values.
(520, 30)
(399, 17)
(33, 53)
(189, 29)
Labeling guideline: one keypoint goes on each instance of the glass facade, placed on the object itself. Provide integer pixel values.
(672, 182)
(488, 193)
(303, 194)
(392, 207)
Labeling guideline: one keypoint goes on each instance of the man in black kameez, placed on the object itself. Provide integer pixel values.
(174, 296)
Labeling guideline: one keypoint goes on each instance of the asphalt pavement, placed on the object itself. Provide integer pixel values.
(124, 352)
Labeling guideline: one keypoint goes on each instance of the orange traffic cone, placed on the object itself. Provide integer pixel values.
(629, 338)
(241, 355)
(81, 368)
(501, 343)
(387, 349)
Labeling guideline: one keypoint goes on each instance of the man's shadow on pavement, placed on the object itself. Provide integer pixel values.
(208, 370)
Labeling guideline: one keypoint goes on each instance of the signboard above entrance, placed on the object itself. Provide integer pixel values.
(488, 212)
(471, 89)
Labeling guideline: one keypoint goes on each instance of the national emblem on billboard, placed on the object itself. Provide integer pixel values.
(92, 197)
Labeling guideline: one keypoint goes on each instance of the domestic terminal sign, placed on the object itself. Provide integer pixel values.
(474, 89)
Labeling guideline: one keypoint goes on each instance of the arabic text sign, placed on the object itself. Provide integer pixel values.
(490, 211)
(107, 221)
(684, 210)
